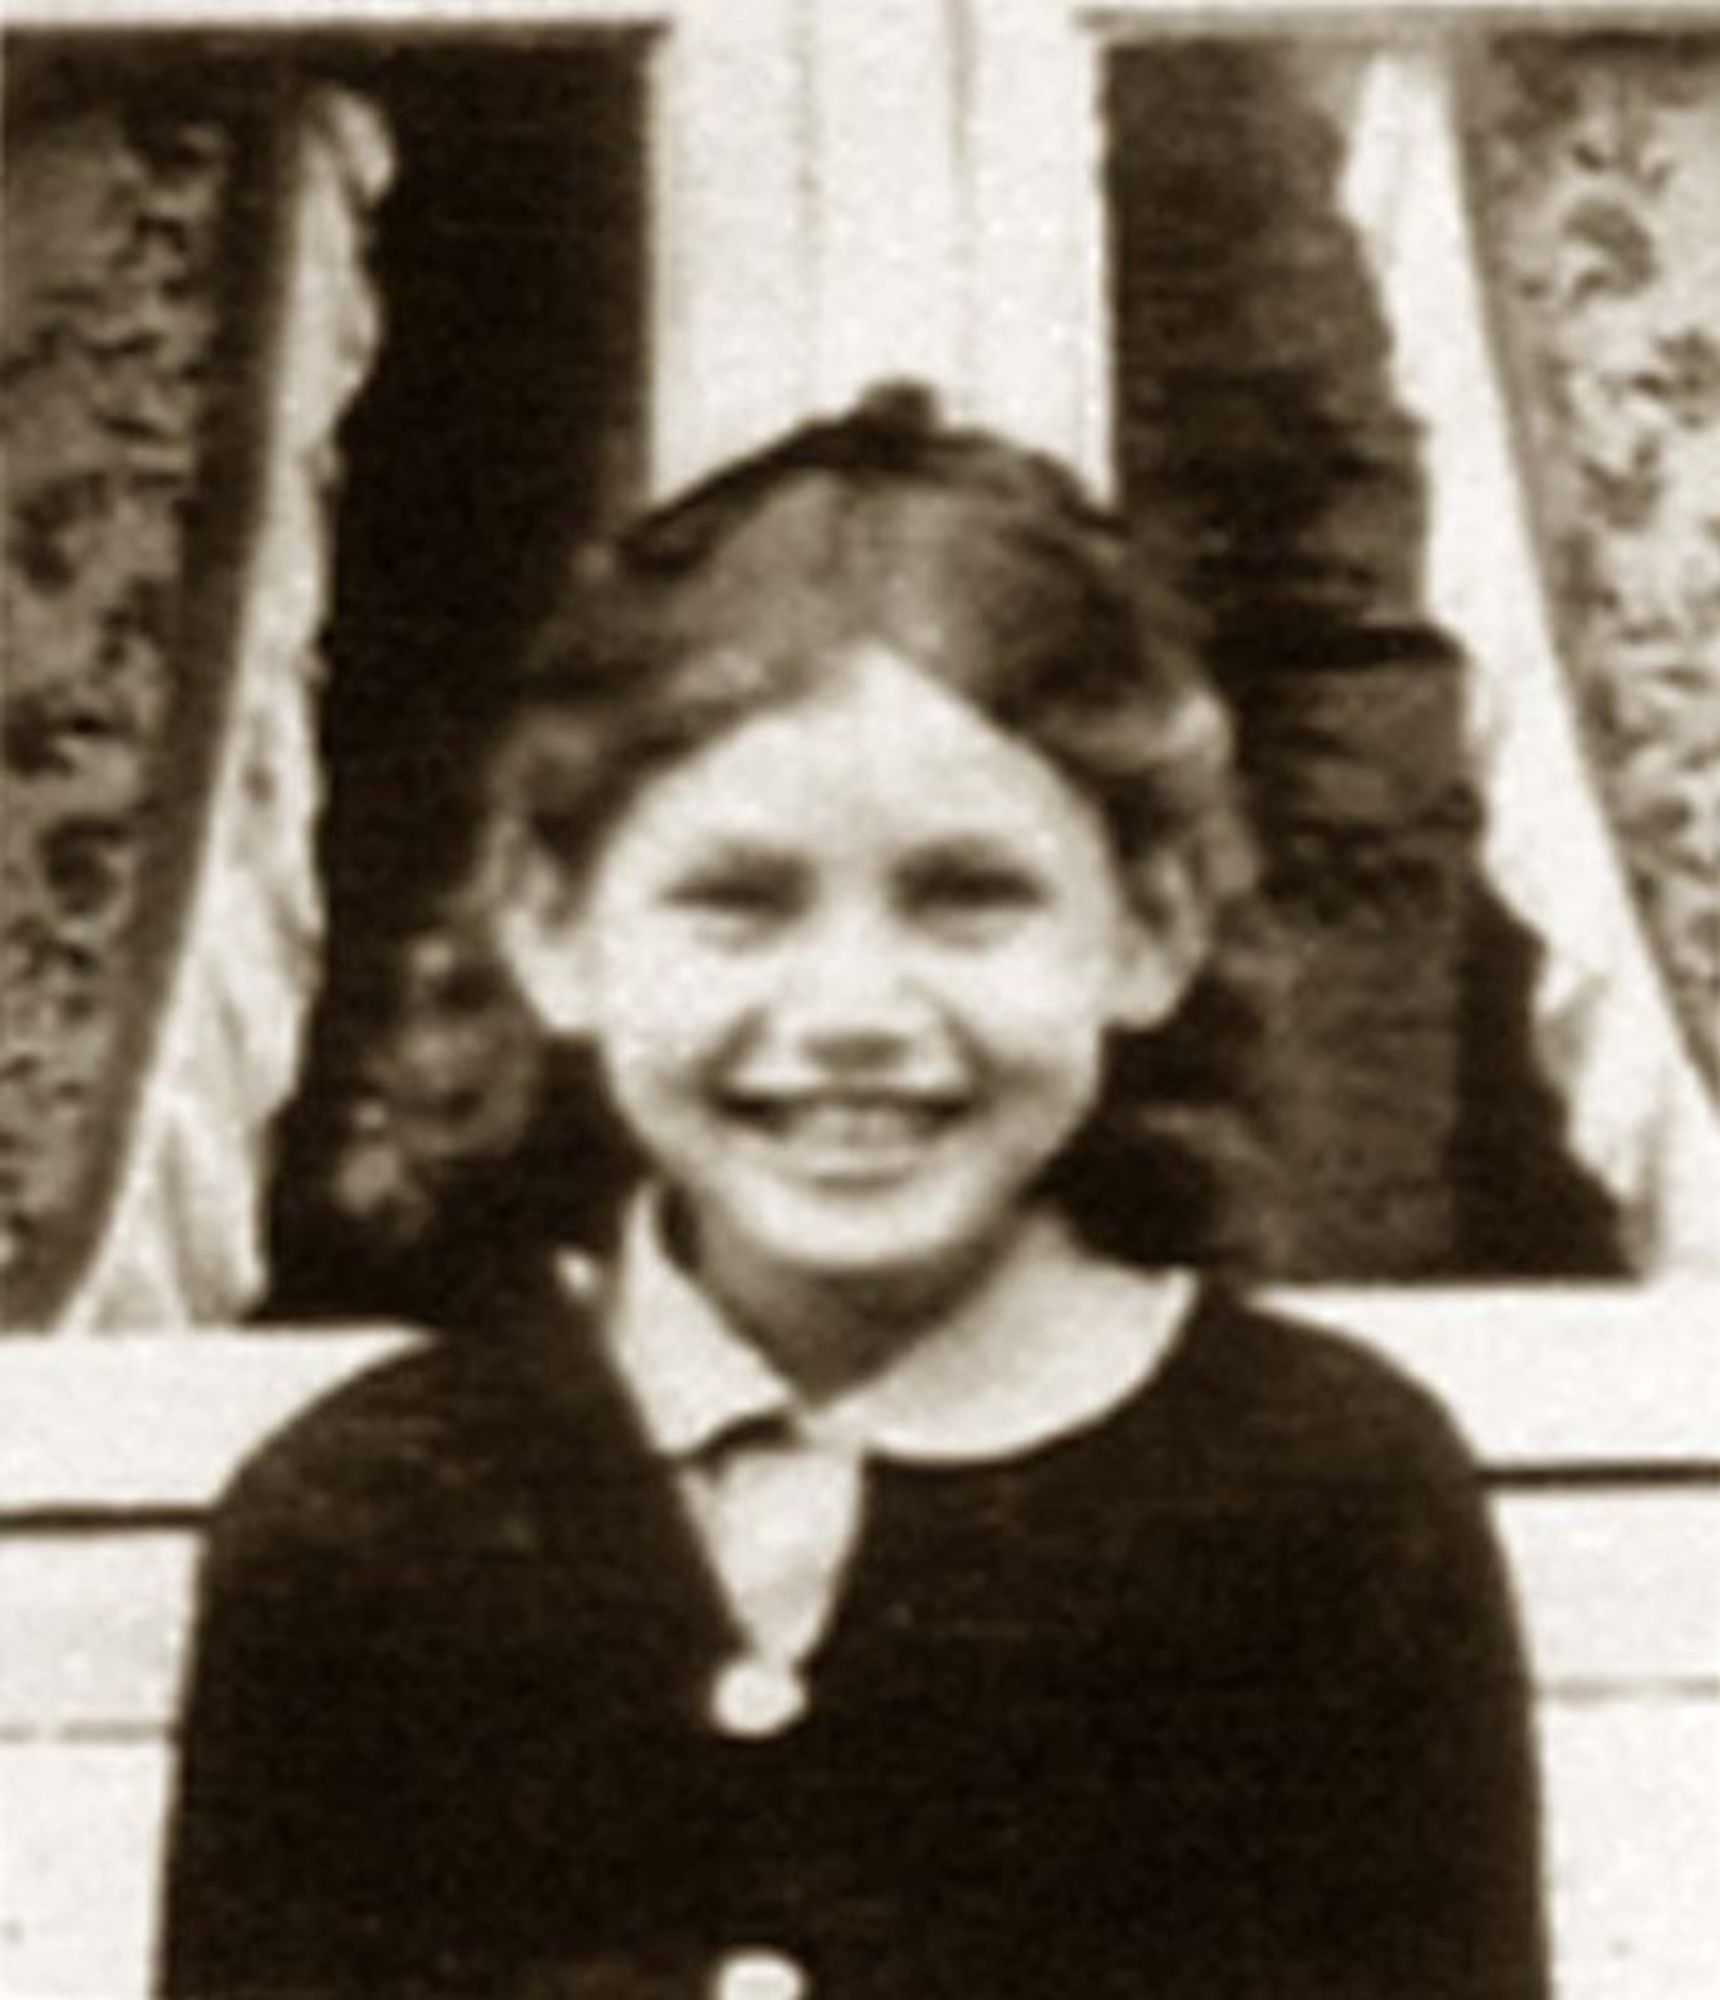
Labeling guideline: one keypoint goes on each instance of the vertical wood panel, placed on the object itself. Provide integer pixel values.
(1036, 324)
(80, 1889)
(730, 237)
(849, 194)
(1633, 1847)
(890, 250)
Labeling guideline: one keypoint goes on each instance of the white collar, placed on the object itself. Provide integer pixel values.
(1052, 1344)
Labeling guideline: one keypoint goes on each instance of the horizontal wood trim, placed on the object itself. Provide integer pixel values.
(1377, 22)
(153, 1421)
(1553, 16)
(105, 1623)
(1609, 1376)
(1615, 1380)
(1620, 1595)
(1619, 1591)
(441, 16)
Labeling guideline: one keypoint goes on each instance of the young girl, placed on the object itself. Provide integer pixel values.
(892, 1572)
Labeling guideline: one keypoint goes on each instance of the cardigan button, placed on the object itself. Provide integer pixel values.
(759, 1975)
(753, 1696)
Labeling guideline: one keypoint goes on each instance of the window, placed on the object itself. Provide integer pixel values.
(629, 237)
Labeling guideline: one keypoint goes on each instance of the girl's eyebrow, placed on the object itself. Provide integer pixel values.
(974, 852)
(739, 854)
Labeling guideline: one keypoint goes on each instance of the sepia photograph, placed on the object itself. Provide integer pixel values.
(860, 1000)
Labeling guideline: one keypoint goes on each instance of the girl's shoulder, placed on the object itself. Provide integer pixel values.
(395, 1416)
(1300, 1402)
(438, 1437)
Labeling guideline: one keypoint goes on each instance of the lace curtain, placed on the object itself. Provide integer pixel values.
(187, 319)
(1596, 179)
(115, 313)
(1544, 226)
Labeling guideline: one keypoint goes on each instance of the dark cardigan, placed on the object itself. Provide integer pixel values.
(1219, 1697)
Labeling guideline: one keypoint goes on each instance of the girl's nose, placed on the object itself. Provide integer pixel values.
(850, 996)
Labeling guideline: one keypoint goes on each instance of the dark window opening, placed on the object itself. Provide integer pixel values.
(502, 425)
(1254, 389)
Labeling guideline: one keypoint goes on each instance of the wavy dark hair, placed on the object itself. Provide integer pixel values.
(989, 566)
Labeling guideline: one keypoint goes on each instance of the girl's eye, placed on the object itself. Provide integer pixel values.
(739, 898)
(972, 895)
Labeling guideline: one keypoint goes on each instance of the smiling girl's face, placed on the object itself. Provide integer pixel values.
(849, 971)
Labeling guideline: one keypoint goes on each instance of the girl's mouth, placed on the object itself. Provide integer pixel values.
(866, 1132)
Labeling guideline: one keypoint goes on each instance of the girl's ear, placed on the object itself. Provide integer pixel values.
(544, 940)
(1168, 936)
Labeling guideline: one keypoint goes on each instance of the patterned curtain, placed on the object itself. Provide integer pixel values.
(1596, 179)
(186, 318)
(1544, 225)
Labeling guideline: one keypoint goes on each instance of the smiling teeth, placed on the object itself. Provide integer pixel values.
(862, 1127)
(854, 1125)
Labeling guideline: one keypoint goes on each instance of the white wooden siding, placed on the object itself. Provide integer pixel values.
(1598, 1410)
